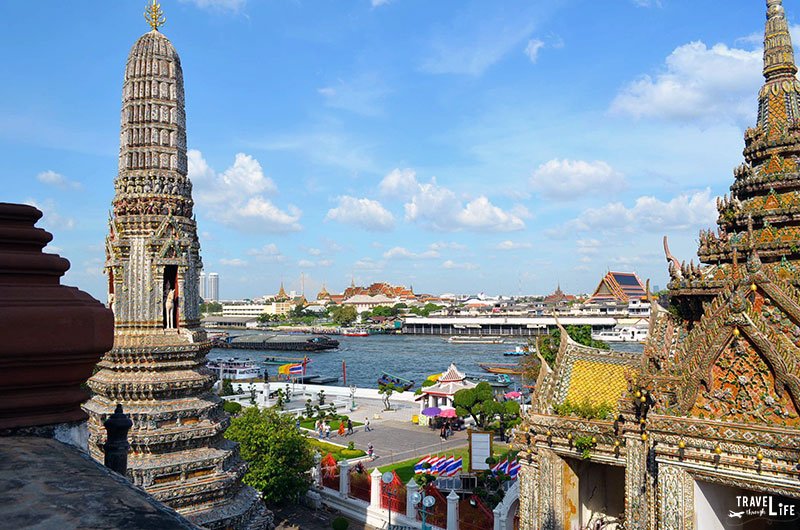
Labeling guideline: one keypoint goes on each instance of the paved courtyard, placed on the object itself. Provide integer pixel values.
(393, 435)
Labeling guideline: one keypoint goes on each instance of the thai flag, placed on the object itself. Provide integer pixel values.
(513, 469)
(443, 464)
(419, 467)
(502, 467)
(297, 369)
(432, 461)
(454, 467)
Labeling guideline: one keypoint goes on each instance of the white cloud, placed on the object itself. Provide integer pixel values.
(647, 3)
(697, 82)
(236, 198)
(51, 219)
(221, 5)
(452, 265)
(368, 264)
(362, 95)
(314, 251)
(304, 263)
(403, 253)
(588, 247)
(378, 3)
(58, 180)
(269, 253)
(451, 245)
(366, 213)
(512, 245)
(440, 208)
(234, 262)
(684, 212)
(567, 179)
(532, 49)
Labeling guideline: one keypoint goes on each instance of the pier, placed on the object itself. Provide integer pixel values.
(500, 326)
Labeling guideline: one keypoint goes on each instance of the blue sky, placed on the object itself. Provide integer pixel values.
(454, 145)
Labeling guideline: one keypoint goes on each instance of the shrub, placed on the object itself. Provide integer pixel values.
(351, 453)
(584, 444)
(232, 407)
(351, 445)
(586, 410)
(340, 523)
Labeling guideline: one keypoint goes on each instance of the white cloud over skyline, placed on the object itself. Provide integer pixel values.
(362, 212)
(571, 179)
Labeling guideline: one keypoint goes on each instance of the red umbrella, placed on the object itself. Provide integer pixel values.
(513, 394)
(448, 413)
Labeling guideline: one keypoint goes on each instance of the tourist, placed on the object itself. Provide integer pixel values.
(443, 433)
(297, 424)
(341, 428)
(349, 426)
(366, 425)
(327, 431)
(370, 451)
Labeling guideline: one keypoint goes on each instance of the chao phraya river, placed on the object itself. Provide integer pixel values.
(409, 356)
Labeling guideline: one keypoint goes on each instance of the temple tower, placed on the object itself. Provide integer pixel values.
(156, 368)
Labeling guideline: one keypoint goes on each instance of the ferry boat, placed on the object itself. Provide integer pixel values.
(399, 382)
(501, 368)
(475, 339)
(235, 369)
(518, 351)
(355, 332)
(627, 334)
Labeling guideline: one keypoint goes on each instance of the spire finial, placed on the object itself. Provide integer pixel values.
(154, 16)
(778, 51)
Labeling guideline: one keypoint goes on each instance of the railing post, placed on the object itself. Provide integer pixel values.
(375, 489)
(116, 446)
(452, 511)
(344, 478)
(499, 520)
(411, 488)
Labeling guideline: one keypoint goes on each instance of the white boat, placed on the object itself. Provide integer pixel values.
(235, 369)
(625, 334)
(475, 339)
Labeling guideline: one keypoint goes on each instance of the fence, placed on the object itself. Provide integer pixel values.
(474, 515)
(330, 472)
(360, 484)
(393, 495)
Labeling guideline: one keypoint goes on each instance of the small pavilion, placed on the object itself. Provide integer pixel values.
(441, 394)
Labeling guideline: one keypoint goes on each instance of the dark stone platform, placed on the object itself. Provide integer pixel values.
(46, 484)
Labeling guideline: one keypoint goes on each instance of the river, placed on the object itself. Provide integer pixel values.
(412, 357)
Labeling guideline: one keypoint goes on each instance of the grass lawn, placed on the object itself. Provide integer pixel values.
(309, 424)
(338, 452)
(405, 469)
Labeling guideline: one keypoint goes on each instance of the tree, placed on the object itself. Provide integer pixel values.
(279, 456)
(344, 315)
(227, 388)
(384, 311)
(387, 391)
(211, 307)
(425, 310)
(480, 404)
(548, 344)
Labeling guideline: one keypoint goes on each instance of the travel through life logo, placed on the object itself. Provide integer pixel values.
(771, 508)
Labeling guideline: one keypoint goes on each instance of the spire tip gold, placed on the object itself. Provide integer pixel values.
(154, 15)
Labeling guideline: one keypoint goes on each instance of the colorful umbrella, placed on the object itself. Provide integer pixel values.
(448, 412)
(431, 411)
(513, 394)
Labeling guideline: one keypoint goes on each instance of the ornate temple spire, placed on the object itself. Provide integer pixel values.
(154, 16)
(778, 51)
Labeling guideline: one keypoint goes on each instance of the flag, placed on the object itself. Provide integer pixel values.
(502, 467)
(513, 469)
(454, 467)
(434, 461)
(419, 467)
(297, 369)
(442, 465)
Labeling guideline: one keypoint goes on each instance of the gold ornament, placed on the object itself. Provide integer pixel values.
(638, 394)
(154, 16)
(682, 445)
(760, 456)
(616, 443)
(644, 436)
(736, 332)
(569, 436)
(594, 439)
(548, 434)
(754, 287)
(718, 450)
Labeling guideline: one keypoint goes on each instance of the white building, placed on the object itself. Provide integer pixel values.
(203, 285)
(365, 302)
(213, 287)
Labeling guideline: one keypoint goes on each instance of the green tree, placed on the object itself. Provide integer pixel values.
(384, 311)
(480, 404)
(279, 457)
(227, 388)
(344, 315)
(548, 344)
(425, 310)
(386, 391)
(232, 407)
(211, 307)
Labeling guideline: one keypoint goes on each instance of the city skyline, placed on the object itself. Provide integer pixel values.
(458, 147)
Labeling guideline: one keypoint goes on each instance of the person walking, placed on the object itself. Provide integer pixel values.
(367, 428)
(349, 426)
(443, 433)
(370, 451)
(327, 431)
(341, 428)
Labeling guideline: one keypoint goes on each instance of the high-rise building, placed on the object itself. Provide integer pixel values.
(203, 286)
(213, 287)
(156, 368)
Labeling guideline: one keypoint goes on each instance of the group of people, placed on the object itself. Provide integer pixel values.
(323, 428)
(446, 431)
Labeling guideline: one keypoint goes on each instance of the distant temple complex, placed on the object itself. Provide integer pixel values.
(706, 421)
(156, 368)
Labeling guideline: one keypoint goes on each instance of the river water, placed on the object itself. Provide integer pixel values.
(411, 357)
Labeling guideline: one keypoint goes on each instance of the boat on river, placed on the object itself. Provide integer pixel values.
(501, 368)
(399, 382)
(235, 369)
(623, 334)
(268, 341)
(494, 380)
(356, 332)
(518, 351)
(475, 339)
